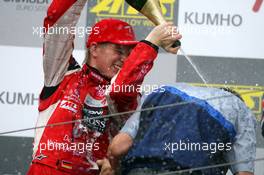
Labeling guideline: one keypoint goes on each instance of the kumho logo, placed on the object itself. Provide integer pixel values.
(118, 8)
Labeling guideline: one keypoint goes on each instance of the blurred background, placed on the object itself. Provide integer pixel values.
(223, 38)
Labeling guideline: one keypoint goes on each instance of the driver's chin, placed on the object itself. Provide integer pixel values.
(110, 74)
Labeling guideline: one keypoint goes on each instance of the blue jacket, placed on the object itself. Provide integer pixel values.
(197, 132)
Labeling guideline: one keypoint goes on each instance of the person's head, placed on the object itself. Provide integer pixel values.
(109, 44)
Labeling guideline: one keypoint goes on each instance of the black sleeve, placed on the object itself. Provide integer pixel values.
(151, 44)
(47, 91)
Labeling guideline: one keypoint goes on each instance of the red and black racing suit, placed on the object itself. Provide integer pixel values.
(73, 93)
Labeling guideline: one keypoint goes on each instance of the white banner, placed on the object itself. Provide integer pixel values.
(21, 77)
(222, 28)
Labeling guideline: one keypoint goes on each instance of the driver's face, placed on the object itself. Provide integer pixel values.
(111, 57)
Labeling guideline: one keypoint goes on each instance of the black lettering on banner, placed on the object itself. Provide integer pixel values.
(213, 19)
(2, 101)
(8, 98)
(223, 19)
(201, 21)
(18, 98)
(235, 22)
(188, 17)
(34, 99)
(21, 100)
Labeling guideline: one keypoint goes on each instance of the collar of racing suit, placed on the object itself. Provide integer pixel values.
(95, 74)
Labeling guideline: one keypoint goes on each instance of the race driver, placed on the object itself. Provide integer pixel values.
(72, 93)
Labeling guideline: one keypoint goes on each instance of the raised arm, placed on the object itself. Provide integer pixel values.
(137, 65)
(59, 24)
(120, 144)
(123, 141)
(119, 147)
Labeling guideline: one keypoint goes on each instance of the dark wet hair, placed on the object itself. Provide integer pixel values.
(233, 92)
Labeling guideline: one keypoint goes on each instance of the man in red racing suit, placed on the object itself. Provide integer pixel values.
(77, 94)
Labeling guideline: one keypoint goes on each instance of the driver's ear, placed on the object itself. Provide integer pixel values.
(93, 49)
